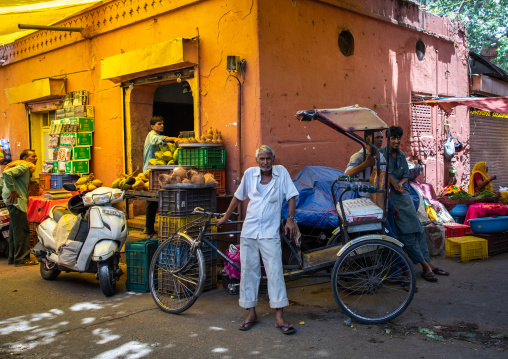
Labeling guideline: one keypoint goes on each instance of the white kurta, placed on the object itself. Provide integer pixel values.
(260, 237)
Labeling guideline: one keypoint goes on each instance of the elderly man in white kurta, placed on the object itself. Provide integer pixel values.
(266, 187)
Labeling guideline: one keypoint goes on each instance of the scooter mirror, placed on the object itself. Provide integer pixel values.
(130, 181)
(69, 186)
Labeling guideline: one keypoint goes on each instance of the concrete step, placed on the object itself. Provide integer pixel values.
(138, 223)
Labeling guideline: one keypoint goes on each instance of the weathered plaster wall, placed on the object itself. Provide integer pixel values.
(302, 68)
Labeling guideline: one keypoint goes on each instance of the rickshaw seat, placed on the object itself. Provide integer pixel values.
(358, 210)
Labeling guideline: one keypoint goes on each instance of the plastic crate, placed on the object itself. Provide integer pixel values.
(497, 242)
(57, 180)
(203, 158)
(168, 226)
(220, 177)
(456, 230)
(32, 231)
(459, 219)
(474, 249)
(44, 181)
(452, 245)
(181, 202)
(211, 277)
(139, 256)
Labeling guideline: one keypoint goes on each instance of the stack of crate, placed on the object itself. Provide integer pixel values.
(468, 247)
(32, 231)
(175, 211)
(207, 160)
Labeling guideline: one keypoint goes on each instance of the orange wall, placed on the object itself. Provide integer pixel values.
(224, 27)
(293, 63)
(301, 68)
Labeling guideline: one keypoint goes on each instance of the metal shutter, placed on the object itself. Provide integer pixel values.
(489, 142)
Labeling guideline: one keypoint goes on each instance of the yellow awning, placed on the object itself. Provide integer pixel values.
(35, 12)
(44, 89)
(166, 56)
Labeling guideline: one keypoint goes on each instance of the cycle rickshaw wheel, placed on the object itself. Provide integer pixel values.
(373, 281)
(177, 274)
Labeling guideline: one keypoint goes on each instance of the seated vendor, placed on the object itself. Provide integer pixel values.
(480, 179)
(409, 229)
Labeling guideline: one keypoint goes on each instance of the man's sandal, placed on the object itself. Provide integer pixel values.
(440, 271)
(429, 277)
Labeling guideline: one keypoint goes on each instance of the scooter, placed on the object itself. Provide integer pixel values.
(86, 237)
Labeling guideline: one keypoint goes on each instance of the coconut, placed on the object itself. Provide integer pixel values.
(209, 178)
(186, 180)
(152, 162)
(97, 183)
(198, 178)
(180, 172)
(174, 178)
(191, 173)
(164, 178)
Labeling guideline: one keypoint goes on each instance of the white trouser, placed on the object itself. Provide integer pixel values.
(271, 254)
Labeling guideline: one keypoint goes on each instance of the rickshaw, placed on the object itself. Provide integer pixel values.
(372, 278)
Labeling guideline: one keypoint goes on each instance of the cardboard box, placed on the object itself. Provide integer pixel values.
(81, 153)
(85, 124)
(69, 109)
(90, 112)
(74, 167)
(84, 139)
(60, 111)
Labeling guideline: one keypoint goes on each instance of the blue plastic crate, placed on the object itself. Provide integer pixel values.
(57, 180)
(139, 256)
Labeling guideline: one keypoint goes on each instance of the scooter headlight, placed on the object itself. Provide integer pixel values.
(101, 198)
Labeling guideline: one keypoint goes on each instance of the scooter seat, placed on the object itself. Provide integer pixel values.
(59, 213)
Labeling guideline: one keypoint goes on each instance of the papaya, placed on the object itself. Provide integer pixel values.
(167, 156)
(158, 155)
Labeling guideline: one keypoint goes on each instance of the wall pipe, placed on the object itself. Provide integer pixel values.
(51, 28)
(239, 137)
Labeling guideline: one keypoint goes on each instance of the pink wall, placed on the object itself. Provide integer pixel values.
(302, 68)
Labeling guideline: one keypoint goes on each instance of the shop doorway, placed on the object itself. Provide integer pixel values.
(39, 134)
(174, 102)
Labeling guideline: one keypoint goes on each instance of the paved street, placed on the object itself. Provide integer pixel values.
(463, 316)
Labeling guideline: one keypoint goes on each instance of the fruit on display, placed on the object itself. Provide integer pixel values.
(180, 175)
(87, 183)
(210, 136)
(141, 184)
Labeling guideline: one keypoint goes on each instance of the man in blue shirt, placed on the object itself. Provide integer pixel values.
(153, 140)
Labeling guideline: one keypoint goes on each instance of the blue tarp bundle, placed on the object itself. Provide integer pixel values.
(314, 205)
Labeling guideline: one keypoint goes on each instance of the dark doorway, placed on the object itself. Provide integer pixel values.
(176, 107)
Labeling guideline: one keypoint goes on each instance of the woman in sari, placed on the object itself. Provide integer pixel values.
(480, 179)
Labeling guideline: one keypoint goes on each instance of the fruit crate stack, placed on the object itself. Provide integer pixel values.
(175, 212)
(70, 135)
(139, 256)
(207, 160)
(44, 181)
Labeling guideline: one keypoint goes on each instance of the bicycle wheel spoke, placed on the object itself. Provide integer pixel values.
(176, 274)
(367, 284)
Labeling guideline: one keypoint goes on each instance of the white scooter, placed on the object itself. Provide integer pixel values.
(86, 237)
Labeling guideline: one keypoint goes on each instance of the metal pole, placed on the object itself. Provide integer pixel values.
(52, 28)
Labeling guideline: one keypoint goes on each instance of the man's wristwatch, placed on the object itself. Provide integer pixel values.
(292, 217)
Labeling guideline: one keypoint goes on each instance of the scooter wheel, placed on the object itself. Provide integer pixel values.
(49, 271)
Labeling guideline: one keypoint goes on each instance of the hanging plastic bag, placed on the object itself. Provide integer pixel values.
(449, 148)
(431, 212)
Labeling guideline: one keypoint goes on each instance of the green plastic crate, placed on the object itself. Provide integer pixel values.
(203, 158)
(139, 256)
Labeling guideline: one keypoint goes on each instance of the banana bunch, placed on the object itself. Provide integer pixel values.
(87, 183)
(141, 183)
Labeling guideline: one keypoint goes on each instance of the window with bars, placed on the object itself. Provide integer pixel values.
(421, 115)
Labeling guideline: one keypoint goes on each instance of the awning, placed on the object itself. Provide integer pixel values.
(175, 54)
(35, 12)
(38, 90)
(491, 104)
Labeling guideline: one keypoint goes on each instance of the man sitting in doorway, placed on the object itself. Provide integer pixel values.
(153, 140)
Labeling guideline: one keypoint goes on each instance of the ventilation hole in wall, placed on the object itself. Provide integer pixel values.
(420, 50)
(346, 43)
